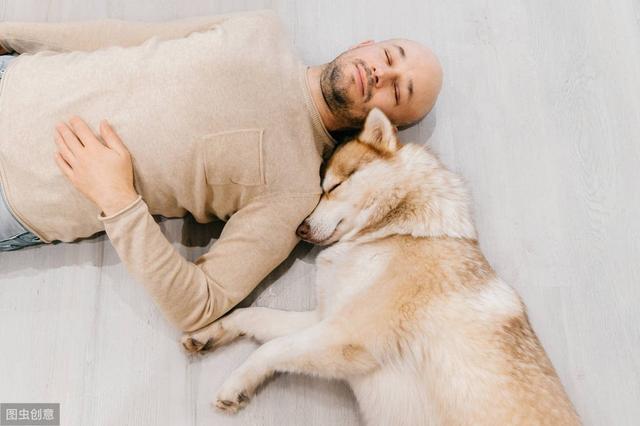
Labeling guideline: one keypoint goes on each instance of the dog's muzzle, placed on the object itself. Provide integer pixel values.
(303, 230)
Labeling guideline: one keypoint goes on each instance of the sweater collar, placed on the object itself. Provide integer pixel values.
(323, 139)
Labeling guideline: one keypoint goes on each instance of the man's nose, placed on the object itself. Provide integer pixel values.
(303, 230)
(382, 74)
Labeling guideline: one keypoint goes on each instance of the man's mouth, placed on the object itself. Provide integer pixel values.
(361, 78)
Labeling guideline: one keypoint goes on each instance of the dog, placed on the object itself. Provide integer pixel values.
(409, 312)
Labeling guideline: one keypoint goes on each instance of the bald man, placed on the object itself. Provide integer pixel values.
(214, 116)
(401, 77)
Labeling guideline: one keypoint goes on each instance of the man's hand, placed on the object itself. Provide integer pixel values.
(103, 172)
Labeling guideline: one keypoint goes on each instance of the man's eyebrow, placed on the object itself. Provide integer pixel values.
(401, 50)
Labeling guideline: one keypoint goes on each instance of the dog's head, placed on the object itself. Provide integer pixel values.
(375, 186)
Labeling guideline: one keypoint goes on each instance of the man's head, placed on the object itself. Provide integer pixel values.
(401, 77)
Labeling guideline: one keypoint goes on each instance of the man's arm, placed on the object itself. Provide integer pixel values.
(32, 37)
(253, 242)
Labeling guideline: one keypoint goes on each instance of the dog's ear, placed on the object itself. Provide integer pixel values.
(379, 132)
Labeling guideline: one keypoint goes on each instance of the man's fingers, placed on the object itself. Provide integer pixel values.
(63, 149)
(64, 166)
(111, 138)
(69, 138)
(82, 130)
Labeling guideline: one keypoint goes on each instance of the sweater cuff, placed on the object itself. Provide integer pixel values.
(122, 211)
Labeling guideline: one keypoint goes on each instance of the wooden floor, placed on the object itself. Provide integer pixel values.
(540, 111)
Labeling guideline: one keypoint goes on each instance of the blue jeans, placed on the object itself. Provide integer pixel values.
(4, 60)
(13, 235)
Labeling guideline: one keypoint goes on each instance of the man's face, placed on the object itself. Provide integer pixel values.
(401, 77)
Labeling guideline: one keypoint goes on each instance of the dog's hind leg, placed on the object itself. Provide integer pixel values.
(320, 350)
(262, 324)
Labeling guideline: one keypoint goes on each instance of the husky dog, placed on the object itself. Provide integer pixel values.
(409, 312)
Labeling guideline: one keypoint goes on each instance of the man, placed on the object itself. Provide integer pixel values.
(220, 119)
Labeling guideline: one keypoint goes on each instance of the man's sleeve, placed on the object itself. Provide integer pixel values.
(253, 242)
(32, 37)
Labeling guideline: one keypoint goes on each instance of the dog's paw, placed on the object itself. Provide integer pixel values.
(231, 402)
(202, 340)
(192, 344)
(214, 335)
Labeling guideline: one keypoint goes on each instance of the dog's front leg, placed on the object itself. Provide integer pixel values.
(262, 324)
(321, 350)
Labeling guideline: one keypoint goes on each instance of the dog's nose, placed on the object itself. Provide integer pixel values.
(303, 230)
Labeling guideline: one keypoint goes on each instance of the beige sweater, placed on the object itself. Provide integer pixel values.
(218, 117)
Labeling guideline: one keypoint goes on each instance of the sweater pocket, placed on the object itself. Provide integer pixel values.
(234, 157)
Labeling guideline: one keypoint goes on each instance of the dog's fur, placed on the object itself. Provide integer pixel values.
(409, 312)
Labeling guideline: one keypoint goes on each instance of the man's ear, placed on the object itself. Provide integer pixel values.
(379, 132)
(362, 44)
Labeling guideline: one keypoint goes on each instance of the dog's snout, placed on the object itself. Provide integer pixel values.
(303, 230)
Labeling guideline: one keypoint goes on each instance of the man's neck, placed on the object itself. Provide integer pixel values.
(328, 119)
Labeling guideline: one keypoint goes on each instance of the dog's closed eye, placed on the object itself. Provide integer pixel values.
(334, 187)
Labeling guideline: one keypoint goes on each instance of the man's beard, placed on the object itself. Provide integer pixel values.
(337, 96)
